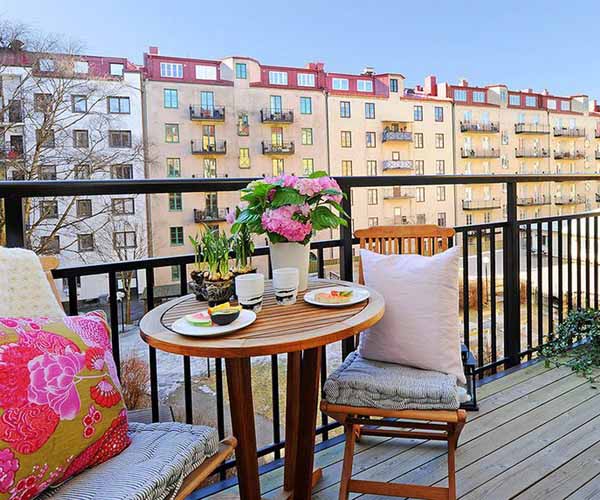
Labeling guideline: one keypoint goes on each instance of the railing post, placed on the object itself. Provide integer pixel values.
(512, 299)
(13, 221)
(346, 264)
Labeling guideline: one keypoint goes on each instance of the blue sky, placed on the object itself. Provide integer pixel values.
(540, 44)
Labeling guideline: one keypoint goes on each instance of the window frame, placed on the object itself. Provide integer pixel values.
(345, 138)
(121, 134)
(305, 105)
(168, 102)
(239, 73)
(119, 100)
(179, 239)
(76, 133)
(307, 133)
(75, 100)
(278, 77)
(418, 113)
(340, 83)
(171, 70)
(127, 206)
(369, 110)
(438, 114)
(345, 106)
(80, 237)
(173, 137)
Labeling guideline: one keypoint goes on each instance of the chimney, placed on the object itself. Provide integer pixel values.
(153, 50)
(316, 66)
(419, 88)
(463, 82)
(431, 85)
(369, 70)
(545, 92)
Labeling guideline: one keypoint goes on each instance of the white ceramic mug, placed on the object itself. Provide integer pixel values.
(250, 289)
(285, 284)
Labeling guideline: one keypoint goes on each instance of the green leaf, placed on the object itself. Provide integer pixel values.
(287, 196)
(317, 174)
(323, 218)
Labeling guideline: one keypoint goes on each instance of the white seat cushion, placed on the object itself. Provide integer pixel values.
(153, 467)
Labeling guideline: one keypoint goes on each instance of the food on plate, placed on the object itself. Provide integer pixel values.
(225, 305)
(334, 297)
(225, 316)
(201, 318)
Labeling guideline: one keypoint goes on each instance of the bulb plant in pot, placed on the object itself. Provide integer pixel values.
(289, 210)
(242, 245)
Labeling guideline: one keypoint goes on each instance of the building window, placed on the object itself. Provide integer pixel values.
(372, 197)
(83, 208)
(121, 172)
(307, 136)
(565, 105)
(373, 221)
(469, 219)
(243, 125)
(175, 202)
(530, 101)
(420, 194)
(364, 86)
(372, 168)
(81, 172)
(173, 167)
(346, 168)
(370, 110)
(308, 166)
(119, 138)
(487, 217)
(478, 96)
(123, 206)
(277, 166)
(241, 71)
(371, 139)
(305, 80)
(551, 104)
(421, 218)
(244, 157)
(514, 100)
(124, 239)
(49, 209)
(441, 193)
(171, 132)
(175, 274)
(50, 245)
(205, 72)
(210, 168)
(346, 139)
(438, 113)
(81, 139)
(419, 140)
(440, 167)
(460, 95)
(419, 167)
(119, 105)
(340, 84)
(418, 113)
(170, 98)
(278, 77)
(503, 95)
(393, 85)
(275, 102)
(176, 235)
(344, 109)
(79, 104)
(42, 102)
(48, 172)
(45, 138)
(46, 65)
(116, 69)
(441, 219)
(305, 106)
(439, 141)
(85, 242)
(171, 70)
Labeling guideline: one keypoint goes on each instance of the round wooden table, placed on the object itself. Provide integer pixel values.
(301, 330)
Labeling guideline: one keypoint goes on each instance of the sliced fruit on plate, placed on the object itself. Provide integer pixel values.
(201, 318)
(334, 297)
(225, 316)
(341, 293)
(220, 307)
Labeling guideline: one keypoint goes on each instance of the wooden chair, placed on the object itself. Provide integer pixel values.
(443, 425)
(226, 447)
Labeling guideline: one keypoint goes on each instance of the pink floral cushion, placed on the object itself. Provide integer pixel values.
(61, 407)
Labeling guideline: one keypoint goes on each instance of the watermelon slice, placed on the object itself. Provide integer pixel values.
(201, 318)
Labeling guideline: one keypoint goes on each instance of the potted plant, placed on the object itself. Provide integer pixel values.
(289, 210)
(242, 245)
(197, 273)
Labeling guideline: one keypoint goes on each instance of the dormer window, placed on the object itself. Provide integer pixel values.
(460, 95)
(46, 65)
(116, 69)
(306, 80)
(530, 101)
(551, 104)
(171, 70)
(81, 67)
(278, 77)
(340, 84)
(205, 72)
(478, 96)
(514, 100)
(565, 106)
(364, 86)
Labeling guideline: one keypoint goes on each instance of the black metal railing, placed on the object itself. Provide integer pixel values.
(396, 136)
(481, 204)
(209, 215)
(558, 254)
(277, 148)
(483, 127)
(398, 165)
(480, 153)
(212, 148)
(269, 115)
(207, 113)
(526, 201)
(531, 153)
(531, 128)
(568, 132)
(569, 199)
(569, 155)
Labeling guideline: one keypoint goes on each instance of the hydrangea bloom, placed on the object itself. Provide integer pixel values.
(280, 221)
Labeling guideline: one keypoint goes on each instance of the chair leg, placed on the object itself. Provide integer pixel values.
(452, 441)
(348, 459)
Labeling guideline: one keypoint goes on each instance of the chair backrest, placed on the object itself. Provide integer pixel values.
(423, 239)
(49, 263)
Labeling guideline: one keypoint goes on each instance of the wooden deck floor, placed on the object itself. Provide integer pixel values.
(536, 436)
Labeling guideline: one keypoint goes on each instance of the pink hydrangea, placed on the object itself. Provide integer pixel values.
(308, 187)
(284, 180)
(329, 183)
(280, 221)
(8, 466)
(230, 217)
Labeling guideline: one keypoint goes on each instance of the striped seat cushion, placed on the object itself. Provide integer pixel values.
(153, 467)
(375, 384)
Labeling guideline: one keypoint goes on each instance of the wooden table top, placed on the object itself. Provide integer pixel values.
(277, 329)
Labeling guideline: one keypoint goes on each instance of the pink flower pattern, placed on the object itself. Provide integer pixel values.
(281, 221)
(9, 464)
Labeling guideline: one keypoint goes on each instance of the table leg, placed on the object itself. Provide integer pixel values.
(292, 417)
(310, 371)
(242, 421)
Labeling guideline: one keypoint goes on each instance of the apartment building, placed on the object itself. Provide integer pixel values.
(75, 117)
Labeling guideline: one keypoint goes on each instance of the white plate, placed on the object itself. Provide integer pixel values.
(183, 327)
(358, 295)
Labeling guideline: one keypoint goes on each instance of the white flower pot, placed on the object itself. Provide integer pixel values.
(292, 255)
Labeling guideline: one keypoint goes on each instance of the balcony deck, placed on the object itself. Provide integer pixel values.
(535, 437)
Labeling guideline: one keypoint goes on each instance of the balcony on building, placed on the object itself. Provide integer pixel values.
(480, 127)
(215, 148)
(398, 193)
(529, 201)
(209, 215)
(8, 153)
(569, 199)
(597, 155)
(532, 128)
(207, 113)
(569, 132)
(398, 165)
(390, 135)
(278, 148)
(479, 153)
(268, 115)
(531, 153)
(569, 155)
(481, 204)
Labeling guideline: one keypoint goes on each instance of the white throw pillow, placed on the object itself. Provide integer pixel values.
(420, 326)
